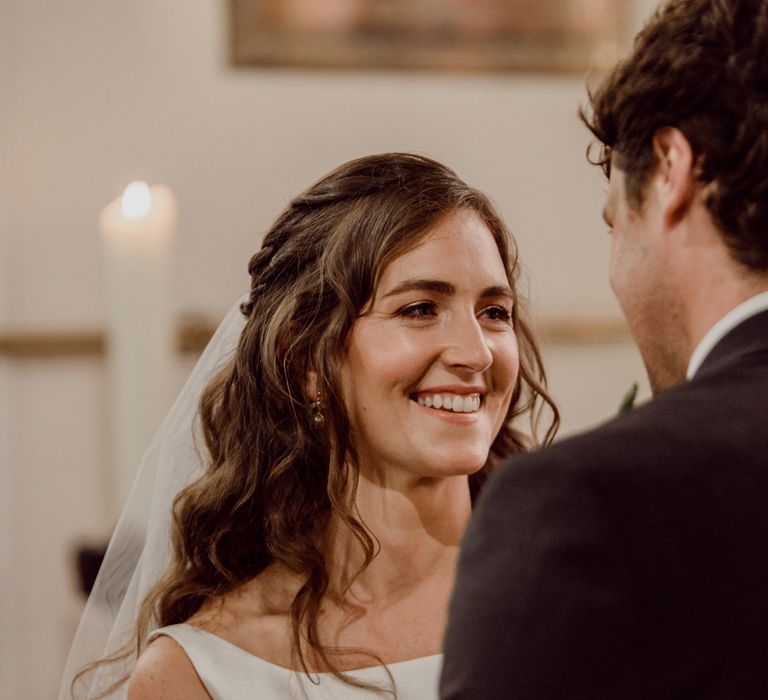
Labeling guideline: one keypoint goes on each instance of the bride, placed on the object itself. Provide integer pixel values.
(351, 410)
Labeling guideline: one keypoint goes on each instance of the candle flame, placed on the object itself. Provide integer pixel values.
(137, 200)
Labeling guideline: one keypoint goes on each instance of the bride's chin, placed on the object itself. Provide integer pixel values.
(456, 466)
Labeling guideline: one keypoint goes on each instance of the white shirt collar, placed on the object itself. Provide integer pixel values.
(733, 318)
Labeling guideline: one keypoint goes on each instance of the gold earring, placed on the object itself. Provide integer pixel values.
(316, 411)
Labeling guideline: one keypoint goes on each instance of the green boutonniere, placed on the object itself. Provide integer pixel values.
(628, 402)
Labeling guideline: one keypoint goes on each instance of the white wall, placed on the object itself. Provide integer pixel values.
(6, 604)
(106, 91)
(98, 93)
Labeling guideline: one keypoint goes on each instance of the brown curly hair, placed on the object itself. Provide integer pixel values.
(700, 66)
(274, 479)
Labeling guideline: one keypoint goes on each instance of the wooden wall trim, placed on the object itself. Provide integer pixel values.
(26, 343)
(584, 328)
(192, 337)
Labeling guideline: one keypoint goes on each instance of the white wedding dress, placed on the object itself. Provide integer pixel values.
(231, 673)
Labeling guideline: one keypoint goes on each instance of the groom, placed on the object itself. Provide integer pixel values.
(632, 561)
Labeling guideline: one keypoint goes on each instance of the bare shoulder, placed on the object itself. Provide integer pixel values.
(164, 672)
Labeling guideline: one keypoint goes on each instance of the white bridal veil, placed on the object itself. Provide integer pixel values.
(139, 550)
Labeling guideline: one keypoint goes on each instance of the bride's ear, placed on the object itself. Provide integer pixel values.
(310, 385)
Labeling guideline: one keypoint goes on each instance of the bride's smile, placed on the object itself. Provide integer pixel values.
(451, 399)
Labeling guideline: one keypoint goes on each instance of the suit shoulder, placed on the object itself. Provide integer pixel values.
(164, 672)
(686, 445)
(657, 432)
(632, 448)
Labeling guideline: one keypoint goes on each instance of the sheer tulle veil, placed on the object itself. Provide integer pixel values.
(140, 548)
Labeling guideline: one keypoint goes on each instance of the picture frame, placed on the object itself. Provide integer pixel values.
(544, 36)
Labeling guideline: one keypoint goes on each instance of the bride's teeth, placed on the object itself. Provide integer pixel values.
(451, 402)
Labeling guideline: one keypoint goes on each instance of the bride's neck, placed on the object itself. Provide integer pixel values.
(417, 526)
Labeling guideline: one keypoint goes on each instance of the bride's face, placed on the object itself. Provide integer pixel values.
(432, 363)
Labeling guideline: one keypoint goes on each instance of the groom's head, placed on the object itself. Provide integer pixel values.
(683, 123)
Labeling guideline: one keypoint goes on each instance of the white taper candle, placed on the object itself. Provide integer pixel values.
(138, 231)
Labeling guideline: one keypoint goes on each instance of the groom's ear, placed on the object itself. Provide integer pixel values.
(675, 174)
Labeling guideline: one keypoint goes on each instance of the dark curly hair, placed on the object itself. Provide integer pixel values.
(700, 66)
(273, 479)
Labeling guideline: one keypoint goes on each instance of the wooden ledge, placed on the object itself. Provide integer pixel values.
(583, 328)
(191, 338)
(51, 343)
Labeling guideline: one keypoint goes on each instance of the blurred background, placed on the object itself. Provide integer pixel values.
(236, 107)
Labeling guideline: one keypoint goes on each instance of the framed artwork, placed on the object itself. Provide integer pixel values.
(455, 35)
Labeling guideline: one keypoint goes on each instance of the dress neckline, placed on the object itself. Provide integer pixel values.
(284, 669)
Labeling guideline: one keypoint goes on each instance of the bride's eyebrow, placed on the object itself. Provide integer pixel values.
(500, 291)
(445, 289)
(422, 285)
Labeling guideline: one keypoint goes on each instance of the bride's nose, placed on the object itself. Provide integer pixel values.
(466, 345)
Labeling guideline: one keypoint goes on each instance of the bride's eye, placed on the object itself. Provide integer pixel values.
(498, 313)
(422, 309)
